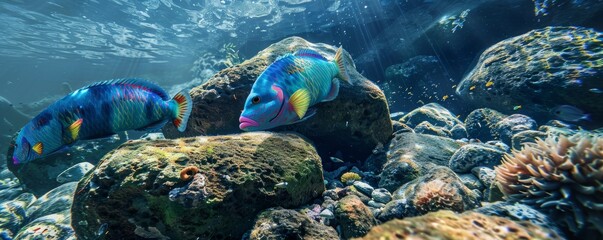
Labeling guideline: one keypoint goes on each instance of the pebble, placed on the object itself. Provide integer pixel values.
(374, 204)
(381, 195)
(328, 214)
(364, 188)
(471, 181)
(485, 174)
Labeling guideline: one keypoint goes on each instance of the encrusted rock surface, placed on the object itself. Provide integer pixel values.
(439, 189)
(480, 123)
(411, 154)
(279, 223)
(540, 70)
(202, 187)
(449, 225)
(474, 155)
(354, 123)
(356, 219)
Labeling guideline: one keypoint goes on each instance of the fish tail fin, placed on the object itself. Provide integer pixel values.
(342, 73)
(182, 107)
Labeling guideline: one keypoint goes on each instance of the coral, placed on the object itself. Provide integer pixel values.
(449, 225)
(187, 173)
(350, 176)
(437, 194)
(562, 176)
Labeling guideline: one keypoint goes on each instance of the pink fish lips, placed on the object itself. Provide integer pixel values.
(247, 122)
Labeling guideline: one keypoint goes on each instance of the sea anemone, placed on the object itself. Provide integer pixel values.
(350, 176)
(562, 177)
(187, 173)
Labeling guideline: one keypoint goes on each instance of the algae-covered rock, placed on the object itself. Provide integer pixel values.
(449, 225)
(202, 187)
(433, 113)
(513, 124)
(540, 70)
(279, 223)
(439, 189)
(480, 123)
(56, 226)
(356, 219)
(411, 154)
(353, 124)
(474, 155)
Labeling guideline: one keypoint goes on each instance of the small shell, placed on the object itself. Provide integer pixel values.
(187, 173)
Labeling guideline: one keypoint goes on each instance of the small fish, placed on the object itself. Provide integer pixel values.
(489, 83)
(336, 160)
(97, 111)
(595, 90)
(281, 185)
(517, 107)
(285, 91)
(444, 97)
(102, 229)
(472, 88)
(569, 113)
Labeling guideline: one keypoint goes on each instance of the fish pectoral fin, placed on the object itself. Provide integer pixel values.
(311, 112)
(300, 101)
(74, 128)
(153, 126)
(38, 148)
(333, 92)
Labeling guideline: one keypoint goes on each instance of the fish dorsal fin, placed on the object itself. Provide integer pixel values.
(309, 53)
(138, 82)
(300, 101)
(283, 56)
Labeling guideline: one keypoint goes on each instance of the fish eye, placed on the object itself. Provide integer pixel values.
(255, 99)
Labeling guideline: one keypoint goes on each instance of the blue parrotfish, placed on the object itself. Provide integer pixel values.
(100, 110)
(285, 91)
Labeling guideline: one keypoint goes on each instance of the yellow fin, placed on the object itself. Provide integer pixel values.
(74, 128)
(300, 101)
(38, 148)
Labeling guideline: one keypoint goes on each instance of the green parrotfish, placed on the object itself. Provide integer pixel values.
(285, 92)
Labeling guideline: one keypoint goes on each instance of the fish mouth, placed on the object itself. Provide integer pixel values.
(247, 122)
(15, 161)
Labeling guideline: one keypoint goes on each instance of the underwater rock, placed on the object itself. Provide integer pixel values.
(355, 218)
(519, 212)
(520, 138)
(474, 155)
(13, 214)
(513, 124)
(353, 124)
(480, 123)
(540, 70)
(458, 132)
(55, 226)
(8, 194)
(197, 187)
(410, 155)
(279, 223)
(427, 128)
(471, 181)
(434, 114)
(55, 201)
(439, 189)
(486, 175)
(364, 188)
(381, 195)
(40, 176)
(446, 224)
(75, 173)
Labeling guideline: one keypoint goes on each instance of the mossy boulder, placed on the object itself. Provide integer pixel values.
(540, 70)
(446, 224)
(353, 124)
(279, 223)
(411, 155)
(355, 218)
(202, 187)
